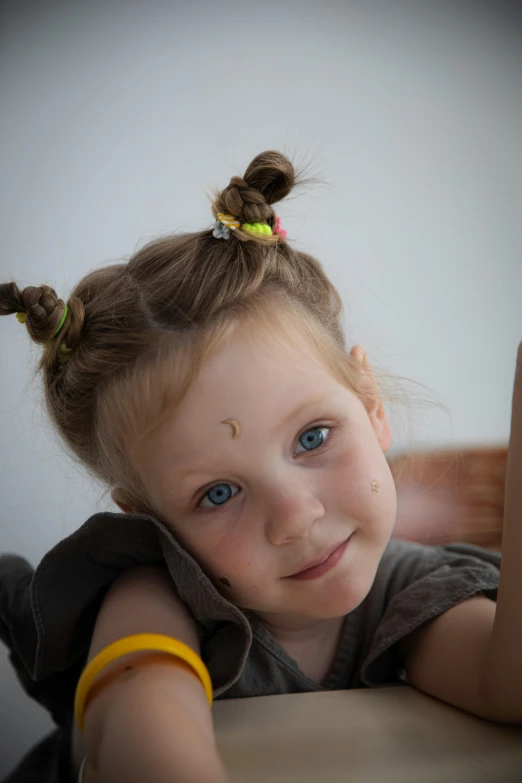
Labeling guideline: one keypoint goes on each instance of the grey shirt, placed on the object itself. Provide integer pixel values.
(47, 616)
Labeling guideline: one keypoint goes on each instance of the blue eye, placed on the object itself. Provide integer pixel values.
(218, 495)
(313, 438)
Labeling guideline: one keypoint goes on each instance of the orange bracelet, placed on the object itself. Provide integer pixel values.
(105, 679)
(146, 642)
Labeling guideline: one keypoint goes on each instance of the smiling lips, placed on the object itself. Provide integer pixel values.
(318, 561)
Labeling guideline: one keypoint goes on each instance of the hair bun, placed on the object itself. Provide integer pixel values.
(272, 174)
(38, 307)
(269, 178)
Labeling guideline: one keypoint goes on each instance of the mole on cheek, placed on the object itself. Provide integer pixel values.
(225, 581)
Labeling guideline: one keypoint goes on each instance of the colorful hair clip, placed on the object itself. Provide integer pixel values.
(220, 231)
(257, 228)
(279, 229)
(224, 224)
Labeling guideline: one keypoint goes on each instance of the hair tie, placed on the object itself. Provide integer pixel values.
(22, 318)
(257, 228)
(64, 350)
(64, 316)
(279, 229)
(226, 223)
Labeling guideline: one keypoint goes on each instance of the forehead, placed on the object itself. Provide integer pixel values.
(264, 358)
(252, 365)
(255, 375)
(250, 378)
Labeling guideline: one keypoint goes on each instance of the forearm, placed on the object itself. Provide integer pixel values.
(503, 661)
(152, 730)
(503, 654)
(164, 747)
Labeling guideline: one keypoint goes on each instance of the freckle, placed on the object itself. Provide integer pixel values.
(225, 581)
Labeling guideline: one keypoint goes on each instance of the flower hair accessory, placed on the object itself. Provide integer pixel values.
(224, 224)
(279, 229)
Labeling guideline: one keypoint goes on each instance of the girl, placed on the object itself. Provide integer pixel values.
(207, 382)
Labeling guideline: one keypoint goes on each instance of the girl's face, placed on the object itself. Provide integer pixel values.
(303, 470)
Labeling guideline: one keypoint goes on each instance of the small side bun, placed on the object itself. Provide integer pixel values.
(43, 311)
(272, 174)
(42, 307)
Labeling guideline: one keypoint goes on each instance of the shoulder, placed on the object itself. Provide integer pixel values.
(405, 563)
(143, 600)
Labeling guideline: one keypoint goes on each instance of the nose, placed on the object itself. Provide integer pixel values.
(292, 510)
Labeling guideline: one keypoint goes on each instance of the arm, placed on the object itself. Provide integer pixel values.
(151, 731)
(471, 656)
(151, 722)
(503, 665)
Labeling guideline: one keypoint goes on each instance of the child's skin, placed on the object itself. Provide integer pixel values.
(505, 650)
(293, 504)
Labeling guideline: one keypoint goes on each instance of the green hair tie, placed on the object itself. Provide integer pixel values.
(63, 347)
(64, 316)
(257, 228)
(22, 317)
(64, 350)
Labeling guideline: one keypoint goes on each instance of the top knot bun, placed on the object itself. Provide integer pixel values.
(268, 179)
(272, 174)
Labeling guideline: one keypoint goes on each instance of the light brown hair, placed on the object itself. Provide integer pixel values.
(138, 331)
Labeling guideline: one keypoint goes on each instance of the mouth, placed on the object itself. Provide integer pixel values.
(322, 564)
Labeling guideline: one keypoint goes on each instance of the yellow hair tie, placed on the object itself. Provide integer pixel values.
(228, 220)
(141, 641)
(21, 317)
(257, 228)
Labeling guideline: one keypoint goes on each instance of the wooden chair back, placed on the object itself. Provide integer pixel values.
(444, 497)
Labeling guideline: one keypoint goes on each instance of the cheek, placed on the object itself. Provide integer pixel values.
(349, 477)
(238, 562)
(361, 485)
(232, 556)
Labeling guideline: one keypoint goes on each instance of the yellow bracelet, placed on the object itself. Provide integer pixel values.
(141, 641)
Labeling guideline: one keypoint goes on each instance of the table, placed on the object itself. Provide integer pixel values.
(388, 735)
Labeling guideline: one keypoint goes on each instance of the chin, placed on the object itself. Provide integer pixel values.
(337, 602)
(346, 601)
(347, 593)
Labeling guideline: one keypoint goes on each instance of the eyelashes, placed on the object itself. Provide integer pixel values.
(221, 493)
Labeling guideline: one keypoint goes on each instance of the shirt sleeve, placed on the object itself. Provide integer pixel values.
(414, 584)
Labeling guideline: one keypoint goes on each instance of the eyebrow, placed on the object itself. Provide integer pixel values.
(301, 408)
(294, 414)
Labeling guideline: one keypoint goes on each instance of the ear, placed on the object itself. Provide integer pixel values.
(121, 500)
(376, 412)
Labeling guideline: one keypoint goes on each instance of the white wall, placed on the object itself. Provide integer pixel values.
(115, 119)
